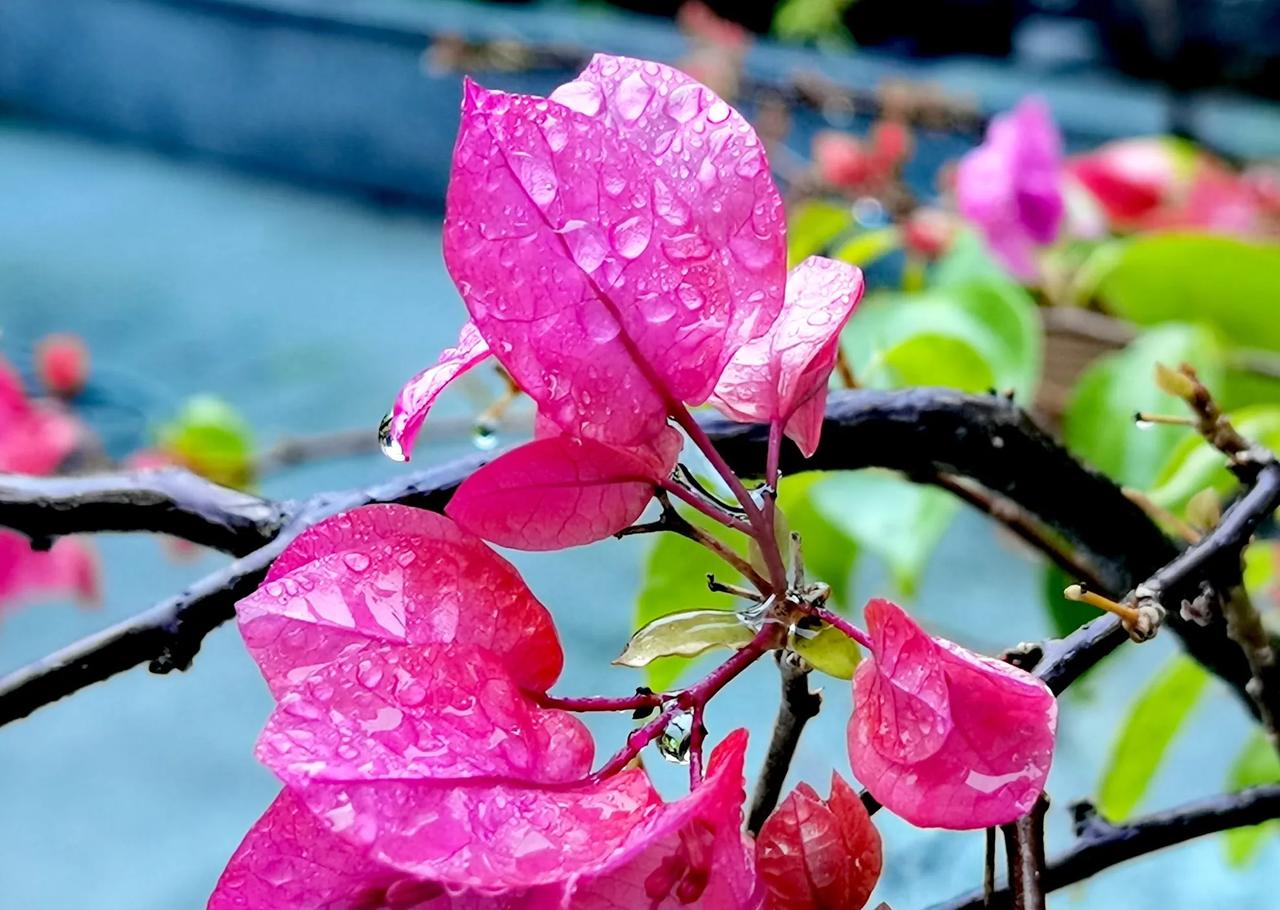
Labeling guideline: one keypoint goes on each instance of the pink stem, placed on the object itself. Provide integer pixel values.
(768, 546)
(771, 478)
(707, 508)
(696, 736)
(694, 698)
(842, 624)
(600, 702)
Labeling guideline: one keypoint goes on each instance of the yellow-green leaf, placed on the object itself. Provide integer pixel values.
(812, 226)
(866, 247)
(685, 634)
(826, 648)
(1154, 719)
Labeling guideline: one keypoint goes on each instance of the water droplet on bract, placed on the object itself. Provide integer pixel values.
(356, 562)
(673, 744)
(484, 435)
(389, 445)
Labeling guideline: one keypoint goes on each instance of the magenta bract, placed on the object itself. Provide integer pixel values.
(943, 737)
(421, 392)
(783, 374)
(614, 244)
(34, 438)
(396, 574)
(1010, 187)
(560, 492)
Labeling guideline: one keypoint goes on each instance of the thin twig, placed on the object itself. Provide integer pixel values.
(1103, 845)
(799, 704)
(1024, 855)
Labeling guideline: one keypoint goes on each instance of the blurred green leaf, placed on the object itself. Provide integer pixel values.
(687, 633)
(1154, 719)
(866, 247)
(675, 578)
(829, 553)
(827, 649)
(1098, 424)
(1194, 465)
(1065, 615)
(812, 226)
(211, 438)
(899, 521)
(973, 329)
(1227, 282)
(1260, 565)
(1255, 766)
(812, 20)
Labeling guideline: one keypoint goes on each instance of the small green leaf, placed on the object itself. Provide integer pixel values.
(1187, 277)
(1255, 766)
(1154, 719)
(826, 648)
(899, 521)
(1193, 465)
(1098, 424)
(866, 247)
(675, 577)
(685, 634)
(211, 438)
(929, 359)
(812, 226)
(812, 20)
(829, 553)
(1260, 570)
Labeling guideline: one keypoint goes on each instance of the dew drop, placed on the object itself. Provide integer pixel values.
(368, 674)
(356, 562)
(484, 436)
(631, 237)
(673, 744)
(718, 112)
(633, 96)
(389, 444)
(581, 96)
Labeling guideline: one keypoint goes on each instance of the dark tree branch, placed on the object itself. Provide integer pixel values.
(798, 706)
(168, 501)
(1024, 855)
(920, 432)
(1103, 845)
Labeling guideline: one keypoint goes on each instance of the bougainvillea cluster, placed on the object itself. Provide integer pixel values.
(620, 249)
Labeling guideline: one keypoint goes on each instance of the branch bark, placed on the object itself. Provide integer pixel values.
(920, 432)
(1103, 845)
(799, 705)
(1024, 855)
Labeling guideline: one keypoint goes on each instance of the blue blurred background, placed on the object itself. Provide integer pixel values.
(240, 197)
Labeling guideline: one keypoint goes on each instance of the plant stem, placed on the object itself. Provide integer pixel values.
(589, 703)
(842, 624)
(799, 705)
(693, 698)
(707, 508)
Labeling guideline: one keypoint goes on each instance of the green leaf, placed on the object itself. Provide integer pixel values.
(812, 226)
(812, 20)
(675, 578)
(1098, 424)
(1255, 766)
(1193, 465)
(1154, 719)
(930, 359)
(899, 521)
(1227, 282)
(1065, 615)
(684, 634)
(1260, 560)
(973, 329)
(866, 247)
(829, 553)
(211, 438)
(826, 648)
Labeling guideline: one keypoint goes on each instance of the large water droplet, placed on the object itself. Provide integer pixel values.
(581, 96)
(657, 308)
(673, 744)
(484, 433)
(684, 103)
(537, 177)
(633, 96)
(631, 237)
(389, 444)
(356, 562)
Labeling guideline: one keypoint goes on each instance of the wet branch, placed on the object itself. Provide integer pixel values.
(920, 432)
(1024, 855)
(1102, 845)
(799, 705)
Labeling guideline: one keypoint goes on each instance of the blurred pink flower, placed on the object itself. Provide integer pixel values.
(1010, 187)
